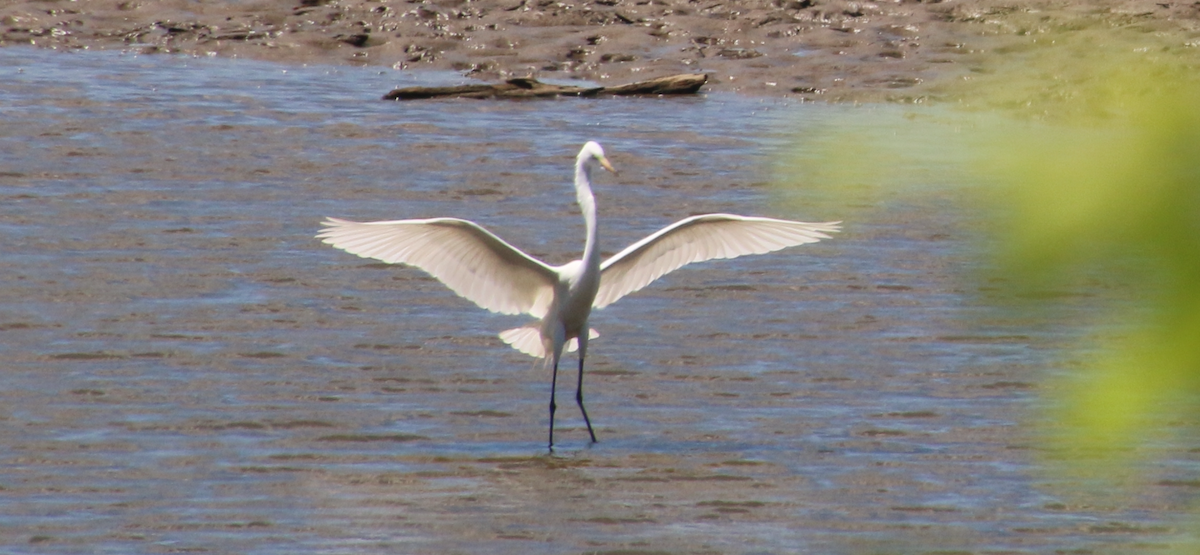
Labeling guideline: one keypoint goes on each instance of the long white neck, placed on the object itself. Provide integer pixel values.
(587, 204)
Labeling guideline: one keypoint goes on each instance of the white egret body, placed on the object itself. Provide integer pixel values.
(485, 269)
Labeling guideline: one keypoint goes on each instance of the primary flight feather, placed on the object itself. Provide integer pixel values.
(497, 276)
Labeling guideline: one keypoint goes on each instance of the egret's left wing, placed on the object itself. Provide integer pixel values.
(697, 239)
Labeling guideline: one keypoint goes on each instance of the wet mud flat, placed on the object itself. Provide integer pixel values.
(186, 369)
(835, 50)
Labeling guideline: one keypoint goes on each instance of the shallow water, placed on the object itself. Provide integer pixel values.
(187, 369)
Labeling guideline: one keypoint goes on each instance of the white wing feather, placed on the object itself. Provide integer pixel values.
(469, 259)
(697, 239)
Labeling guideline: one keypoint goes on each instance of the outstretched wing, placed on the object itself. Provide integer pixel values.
(469, 259)
(697, 239)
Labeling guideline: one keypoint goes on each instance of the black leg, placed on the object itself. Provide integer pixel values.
(579, 399)
(553, 406)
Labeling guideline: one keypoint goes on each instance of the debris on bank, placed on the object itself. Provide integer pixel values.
(527, 87)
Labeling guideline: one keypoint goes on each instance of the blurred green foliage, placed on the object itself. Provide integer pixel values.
(1120, 196)
(1085, 159)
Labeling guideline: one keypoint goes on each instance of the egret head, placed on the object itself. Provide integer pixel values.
(593, 151)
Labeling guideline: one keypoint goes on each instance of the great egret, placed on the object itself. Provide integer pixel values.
(499, 277)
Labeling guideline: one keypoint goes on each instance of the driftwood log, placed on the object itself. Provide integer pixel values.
(532, 88)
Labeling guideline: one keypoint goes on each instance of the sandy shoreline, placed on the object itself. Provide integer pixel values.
(817, 49)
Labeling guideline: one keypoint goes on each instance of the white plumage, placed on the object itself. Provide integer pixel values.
(497, 276)
(467, 258)
(696, 239)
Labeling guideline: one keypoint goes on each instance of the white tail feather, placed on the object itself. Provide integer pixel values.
(528, 340)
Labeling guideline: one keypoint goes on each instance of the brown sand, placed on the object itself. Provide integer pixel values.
(818, 49)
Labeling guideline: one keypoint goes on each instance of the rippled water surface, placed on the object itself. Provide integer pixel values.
(186, 369)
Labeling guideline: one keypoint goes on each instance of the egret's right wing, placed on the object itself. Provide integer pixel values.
(466, 257)
(697, 239)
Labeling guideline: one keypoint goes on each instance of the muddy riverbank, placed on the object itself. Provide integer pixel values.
(816, 49)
